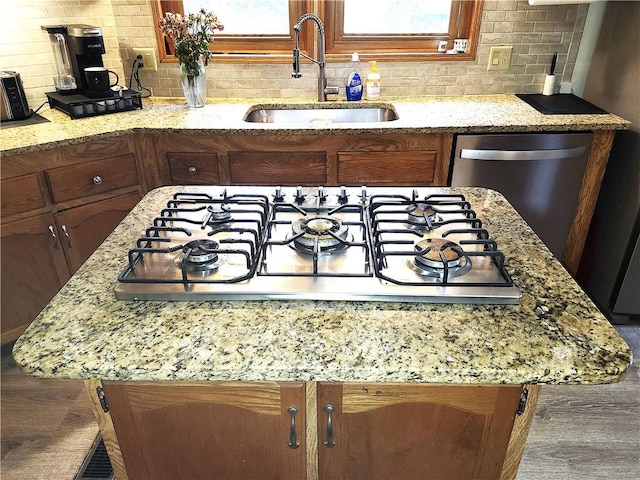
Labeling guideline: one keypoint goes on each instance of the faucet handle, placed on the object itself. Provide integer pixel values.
(296, 64)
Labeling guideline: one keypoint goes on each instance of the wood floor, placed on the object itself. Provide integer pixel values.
(47, 426)
(579, 432)
(588, 432)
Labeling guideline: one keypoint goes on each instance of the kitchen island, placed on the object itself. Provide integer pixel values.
(471, 367)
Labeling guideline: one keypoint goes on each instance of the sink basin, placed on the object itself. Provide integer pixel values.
(311, 114)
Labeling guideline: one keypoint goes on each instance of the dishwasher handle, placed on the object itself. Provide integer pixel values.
(552, 154)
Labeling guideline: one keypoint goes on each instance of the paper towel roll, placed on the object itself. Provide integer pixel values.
(549, 85)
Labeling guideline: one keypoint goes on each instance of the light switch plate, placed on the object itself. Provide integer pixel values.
(500, 57)
(149, 61)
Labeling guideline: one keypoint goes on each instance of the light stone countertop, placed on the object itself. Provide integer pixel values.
(555, 336)
(431, 114)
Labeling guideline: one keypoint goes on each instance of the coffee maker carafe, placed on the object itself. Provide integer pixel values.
(64, 79)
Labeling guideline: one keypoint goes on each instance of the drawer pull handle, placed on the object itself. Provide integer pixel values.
(53, 236)
(192, 170)
(97, 180)
(329, 443)
(293, 435)
(66, 234)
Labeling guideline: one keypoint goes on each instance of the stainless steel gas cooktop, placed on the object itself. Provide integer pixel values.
(316, 243)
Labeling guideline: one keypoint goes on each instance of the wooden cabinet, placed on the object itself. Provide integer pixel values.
(209, 431)
(58, 206)
(387, 168)
(83, 229)
(277, 168)
(92, 178)
(443, 432)
(245, 430)
(179, 159)
(193, 168)
(33, 270)
(309, 159)
(21, 194)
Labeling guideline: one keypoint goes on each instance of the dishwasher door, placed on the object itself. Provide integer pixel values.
(540, 174)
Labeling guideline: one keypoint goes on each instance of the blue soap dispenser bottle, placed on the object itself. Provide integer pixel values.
(354, 82)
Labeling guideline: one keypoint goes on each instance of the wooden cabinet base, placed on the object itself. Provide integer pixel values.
(311, 159)
(33, 270)
(58, 206)
(236, 430)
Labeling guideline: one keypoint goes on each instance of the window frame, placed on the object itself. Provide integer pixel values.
(465, 23)
(245, 48)
(339, 46)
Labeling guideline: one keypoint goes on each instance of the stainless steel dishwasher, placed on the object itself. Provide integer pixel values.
(539, 173)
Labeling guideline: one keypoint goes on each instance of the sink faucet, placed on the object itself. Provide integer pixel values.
(323, 89)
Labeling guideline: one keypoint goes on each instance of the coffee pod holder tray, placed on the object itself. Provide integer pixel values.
(79, 106)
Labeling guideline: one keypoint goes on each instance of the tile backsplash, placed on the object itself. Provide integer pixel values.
(534, 31)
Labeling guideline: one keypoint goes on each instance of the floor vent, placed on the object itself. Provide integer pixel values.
(96, 465)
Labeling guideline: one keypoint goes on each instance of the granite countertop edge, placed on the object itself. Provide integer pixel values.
(417, 115)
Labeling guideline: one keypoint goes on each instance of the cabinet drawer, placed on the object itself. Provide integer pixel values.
(99, 176)
(386, 168)
(21, 194)
(278, 168)
(193, 168)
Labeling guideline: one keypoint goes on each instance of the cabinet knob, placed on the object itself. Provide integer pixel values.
(54, 239)
(97, 180)
(66, 235)
(192, 170)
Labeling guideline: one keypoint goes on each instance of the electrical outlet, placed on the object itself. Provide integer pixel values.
(148, 58)
(500, 58)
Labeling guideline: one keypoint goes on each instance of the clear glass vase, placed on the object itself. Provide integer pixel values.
(194, 86)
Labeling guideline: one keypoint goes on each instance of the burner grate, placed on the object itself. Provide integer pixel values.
(392, 245)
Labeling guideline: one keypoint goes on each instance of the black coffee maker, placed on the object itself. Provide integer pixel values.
(83, 85)
(85, 49)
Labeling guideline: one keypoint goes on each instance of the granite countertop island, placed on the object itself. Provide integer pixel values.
(430, 114)
(555, 336)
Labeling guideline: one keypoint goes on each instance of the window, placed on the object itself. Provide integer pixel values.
(263, 17)
(396, 17)
(262, 30)
(400, 29)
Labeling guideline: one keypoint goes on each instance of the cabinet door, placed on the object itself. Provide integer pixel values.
(209, 430)
(33, 270)
(278, 168)
(191, 168)
(83, 229)
(387, 168)
(384, 431)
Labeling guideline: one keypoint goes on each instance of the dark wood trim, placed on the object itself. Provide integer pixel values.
(240, 49)
(464, 23)
(587, 198)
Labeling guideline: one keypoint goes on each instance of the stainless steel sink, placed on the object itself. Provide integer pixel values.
(311, 114)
